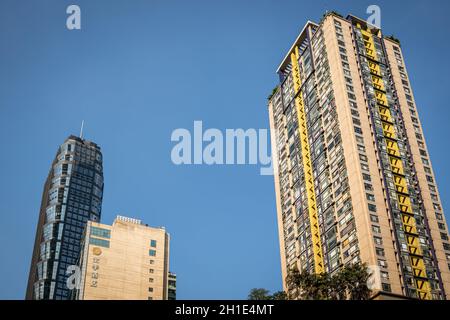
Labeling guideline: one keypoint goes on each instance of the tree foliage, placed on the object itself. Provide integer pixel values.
(349, 282)
(279, 295)
(274, 90)
(258, 294)
(263, 294)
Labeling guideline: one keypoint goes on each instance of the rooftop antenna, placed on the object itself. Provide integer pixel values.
(81, 131)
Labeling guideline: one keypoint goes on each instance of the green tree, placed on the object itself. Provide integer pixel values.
(354, 277)
(338, 287)
(350, 282)
(258, 294)
(273, 92)
(279, 295)
(263, 294)
(294, 281)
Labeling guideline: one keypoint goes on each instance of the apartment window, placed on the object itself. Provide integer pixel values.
(386, 287)
(376, 229)
(444, 236)
(151, 270)
(150, 280)
(379, 251)
(150, 298)
(441, 226)
(153, 243)
(150, 289)
(368, 186)
(378, 240)
(152, 253)
(366, 177)
(372, 207)
(370, 197)
(382, 263)
(373, 218)
(152, 261)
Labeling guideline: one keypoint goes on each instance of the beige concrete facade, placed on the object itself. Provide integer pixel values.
(429, 189)
(125, 261)
(360, 123)
(278, 196)
(363, 223)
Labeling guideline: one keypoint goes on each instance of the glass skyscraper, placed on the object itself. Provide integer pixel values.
(72, 195)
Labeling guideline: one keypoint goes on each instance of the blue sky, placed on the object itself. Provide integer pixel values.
(140, 69)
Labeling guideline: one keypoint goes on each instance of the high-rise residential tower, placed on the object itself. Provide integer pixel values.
(128, 260)
(72, 195)
(353, 177)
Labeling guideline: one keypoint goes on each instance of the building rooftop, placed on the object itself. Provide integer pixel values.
(304, 34)
(128, 219)
(83, 141)
(135, 221)
(300, 38)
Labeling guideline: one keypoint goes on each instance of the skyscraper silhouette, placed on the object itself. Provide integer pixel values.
(72, 195)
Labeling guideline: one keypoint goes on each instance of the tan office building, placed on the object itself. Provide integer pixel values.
(125, 261)
(353, 178)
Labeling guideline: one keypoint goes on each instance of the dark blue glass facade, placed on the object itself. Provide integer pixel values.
(72, 195)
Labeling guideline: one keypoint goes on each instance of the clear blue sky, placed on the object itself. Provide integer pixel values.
(139, 69)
